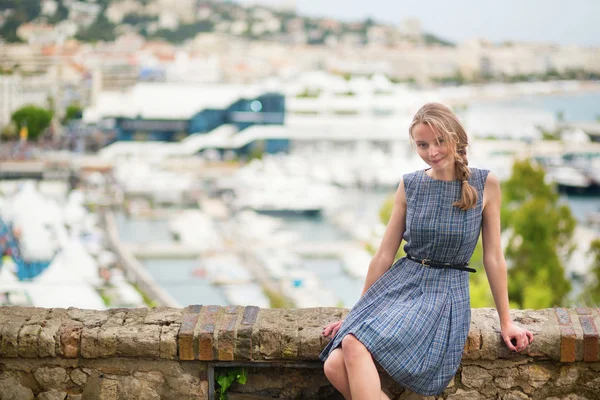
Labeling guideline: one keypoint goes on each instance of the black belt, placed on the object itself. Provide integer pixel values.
(441, 265)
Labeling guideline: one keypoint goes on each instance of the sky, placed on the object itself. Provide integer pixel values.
(572, 22)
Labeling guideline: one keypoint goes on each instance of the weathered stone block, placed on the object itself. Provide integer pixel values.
(70, 339)
(168, 342)
(52, 394)
(89, 342)
(136, 340)
(51, 378)
(514, 395)
(164, 316)
(466, 395)
(473, 343)
(148, 341)
(310, 343)
(475, 377)
(107, 343)
(11, 388)
(10, 339)
(568, 376)
(79, 377)
(49, 338)
(88, 318)
(270, 334)
(247, 334)
(28, 341)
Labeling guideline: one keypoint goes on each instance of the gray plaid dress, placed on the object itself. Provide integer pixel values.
(415, 320)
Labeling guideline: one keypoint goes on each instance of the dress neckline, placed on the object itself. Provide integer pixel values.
(424, 171)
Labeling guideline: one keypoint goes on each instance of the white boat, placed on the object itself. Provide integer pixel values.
(226, 269)
(246, 294)
(568, 177)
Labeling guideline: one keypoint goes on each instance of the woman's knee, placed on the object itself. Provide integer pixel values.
(352, 347)
(334, 365)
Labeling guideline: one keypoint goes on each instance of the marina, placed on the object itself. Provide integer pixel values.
(194, 223)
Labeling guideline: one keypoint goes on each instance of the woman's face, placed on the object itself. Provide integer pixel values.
(431, 148)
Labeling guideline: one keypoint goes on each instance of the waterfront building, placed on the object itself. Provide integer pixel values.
(171, 112)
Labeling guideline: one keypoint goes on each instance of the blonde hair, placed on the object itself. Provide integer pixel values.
(445, 123)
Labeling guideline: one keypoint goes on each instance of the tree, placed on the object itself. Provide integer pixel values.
(22, 11)
(479, 288)
(385, 212)
(36, 119)
(541, 230)
(100, 29)
(592, 290)
(73, 112)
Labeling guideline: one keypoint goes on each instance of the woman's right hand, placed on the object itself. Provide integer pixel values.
(332, 329)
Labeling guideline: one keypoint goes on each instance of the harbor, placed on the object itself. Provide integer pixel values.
(154, 226)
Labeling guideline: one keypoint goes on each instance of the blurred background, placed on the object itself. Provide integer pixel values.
(176, 152)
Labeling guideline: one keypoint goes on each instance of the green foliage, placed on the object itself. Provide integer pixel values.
(73, 112)
(457, 79)
(100, 30)
(22, 11)
(226, 378)
(257, 150)
(149, 301)
(541, 230)
(61, 13)
(9, 132)
(592, 289)
(277, 300)
(428, 38)
(479, 288)
(313, 94)
(183, 32)
(35, 118)
(135, 19)
(385, 212)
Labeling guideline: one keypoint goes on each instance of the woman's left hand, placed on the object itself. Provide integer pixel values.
(522, 337)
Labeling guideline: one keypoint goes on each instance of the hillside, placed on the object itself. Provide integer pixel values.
(179, 20)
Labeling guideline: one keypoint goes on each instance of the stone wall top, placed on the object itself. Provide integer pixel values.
(214, 333)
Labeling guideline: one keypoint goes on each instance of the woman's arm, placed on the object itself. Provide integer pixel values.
(495, 265)
(384, 256)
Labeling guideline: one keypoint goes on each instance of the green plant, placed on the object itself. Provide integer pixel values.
(226, 378)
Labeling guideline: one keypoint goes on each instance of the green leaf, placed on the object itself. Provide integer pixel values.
(225, 381)
(241, 378)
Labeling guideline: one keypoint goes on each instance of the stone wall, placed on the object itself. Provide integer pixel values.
(170, 353)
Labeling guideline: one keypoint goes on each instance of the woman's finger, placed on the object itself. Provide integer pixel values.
(522, 342)
(530, 337)
(510, 343)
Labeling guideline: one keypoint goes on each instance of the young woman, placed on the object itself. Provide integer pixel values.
(413, 317)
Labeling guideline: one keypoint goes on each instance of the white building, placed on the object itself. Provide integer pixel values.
(17, 91)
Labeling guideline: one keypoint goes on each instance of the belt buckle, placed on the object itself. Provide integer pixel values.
(425, 262)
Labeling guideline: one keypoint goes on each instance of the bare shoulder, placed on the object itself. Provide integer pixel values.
(491, 190)
(400, 193)
(492, 181)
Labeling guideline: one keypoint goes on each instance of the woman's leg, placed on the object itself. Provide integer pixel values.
(335, 371)
(362, 373)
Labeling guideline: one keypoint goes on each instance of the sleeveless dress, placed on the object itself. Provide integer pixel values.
(415, 320)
